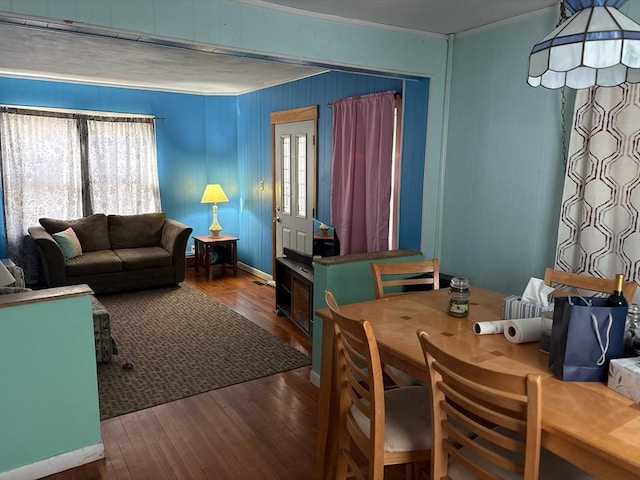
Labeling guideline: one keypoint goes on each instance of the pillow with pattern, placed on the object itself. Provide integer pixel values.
(68, 242)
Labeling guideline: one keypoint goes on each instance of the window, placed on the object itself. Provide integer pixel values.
(67, 165)
(301, 186)
(286, 174)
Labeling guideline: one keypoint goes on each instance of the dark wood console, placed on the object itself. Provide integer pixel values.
(294, 289)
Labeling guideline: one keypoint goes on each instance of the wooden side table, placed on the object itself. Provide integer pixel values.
(204, 243)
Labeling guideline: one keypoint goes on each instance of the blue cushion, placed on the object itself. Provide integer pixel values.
(68, 242)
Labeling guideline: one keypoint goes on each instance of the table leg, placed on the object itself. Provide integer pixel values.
(207, 263)
(234, 248)
(197, 253)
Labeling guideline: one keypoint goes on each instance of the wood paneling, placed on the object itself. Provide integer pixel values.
(504, 171)
(254, 152)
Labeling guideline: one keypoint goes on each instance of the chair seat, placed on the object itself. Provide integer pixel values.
(407, 423)
(552, 467)
(401, 377)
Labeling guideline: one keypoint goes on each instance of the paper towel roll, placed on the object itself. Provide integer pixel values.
(487, 328)
(523, 330)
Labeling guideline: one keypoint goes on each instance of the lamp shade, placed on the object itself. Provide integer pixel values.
(598, 45)
(5, 276)
(213, 194)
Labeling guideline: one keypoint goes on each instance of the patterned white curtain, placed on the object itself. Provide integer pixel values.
(67, 165)
(40, 178)
(599, 231)
(123, 171)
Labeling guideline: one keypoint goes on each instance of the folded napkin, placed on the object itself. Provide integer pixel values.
(537, 292)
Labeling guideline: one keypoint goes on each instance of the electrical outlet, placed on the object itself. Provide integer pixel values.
(193, 249)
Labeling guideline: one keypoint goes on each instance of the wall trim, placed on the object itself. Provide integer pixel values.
(252, 271)
(337, 19)
(506, 21)
(56, 464)
(314, 378)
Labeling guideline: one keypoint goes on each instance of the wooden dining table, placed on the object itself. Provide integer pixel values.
(586, 423)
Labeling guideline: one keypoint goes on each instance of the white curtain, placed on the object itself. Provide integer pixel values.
(123, 171)
(67, 165)
(41, 177)
(599, 232)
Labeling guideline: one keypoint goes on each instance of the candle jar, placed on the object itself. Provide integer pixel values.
(459, 297)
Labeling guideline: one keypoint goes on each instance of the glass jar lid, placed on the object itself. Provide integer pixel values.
(459, 282)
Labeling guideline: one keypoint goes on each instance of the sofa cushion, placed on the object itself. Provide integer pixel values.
(92, 231)
(132, 231)
(146, 257)
(69, 243)
(92, 263)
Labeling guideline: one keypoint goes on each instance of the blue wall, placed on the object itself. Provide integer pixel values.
(254, 152)
(504, 169)
(227, 140)
(236, 26)
(188, 132)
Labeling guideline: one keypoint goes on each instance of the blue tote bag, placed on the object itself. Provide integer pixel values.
(585, 335)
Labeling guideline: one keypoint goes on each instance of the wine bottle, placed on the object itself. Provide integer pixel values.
(616, 299)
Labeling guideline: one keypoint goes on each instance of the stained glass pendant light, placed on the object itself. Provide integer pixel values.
(598, 45)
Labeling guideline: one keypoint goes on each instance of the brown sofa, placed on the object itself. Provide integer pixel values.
(119, 252)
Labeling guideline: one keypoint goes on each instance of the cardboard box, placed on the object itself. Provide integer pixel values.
(514, 307)
(624, 377)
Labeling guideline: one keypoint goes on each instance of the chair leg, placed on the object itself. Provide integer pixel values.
(417, 471)
(342, 465)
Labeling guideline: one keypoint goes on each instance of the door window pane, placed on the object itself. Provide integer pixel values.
(286, 174)
(302, 176)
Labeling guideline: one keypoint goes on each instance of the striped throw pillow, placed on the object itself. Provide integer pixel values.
(68, 242)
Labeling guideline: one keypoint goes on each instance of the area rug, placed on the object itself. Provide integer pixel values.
(176, 342)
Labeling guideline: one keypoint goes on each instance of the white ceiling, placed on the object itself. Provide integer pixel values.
(40, 50)
(434, 16)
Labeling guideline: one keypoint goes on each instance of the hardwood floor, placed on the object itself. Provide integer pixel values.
(263, 429)
(259, 430)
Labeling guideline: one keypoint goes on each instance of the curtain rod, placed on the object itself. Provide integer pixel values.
(395, 92)
(69, 111)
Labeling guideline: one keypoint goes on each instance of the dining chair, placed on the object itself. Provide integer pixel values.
(553, 277)
(487, 423)
(387, 277)
(388, 427)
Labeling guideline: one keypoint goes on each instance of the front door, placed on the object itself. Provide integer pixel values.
(294, 185)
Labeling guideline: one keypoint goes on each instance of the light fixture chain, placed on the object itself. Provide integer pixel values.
(563, 14)
(563, 115)
(563, 110)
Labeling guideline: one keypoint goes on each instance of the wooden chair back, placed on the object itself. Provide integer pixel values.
(361, 386)
(395, 274)
(554, 277)
(484, 420)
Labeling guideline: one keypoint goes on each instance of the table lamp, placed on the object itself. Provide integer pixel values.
(5, 276)
(214, 194)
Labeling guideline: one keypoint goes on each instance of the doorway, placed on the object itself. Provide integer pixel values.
(294, 157)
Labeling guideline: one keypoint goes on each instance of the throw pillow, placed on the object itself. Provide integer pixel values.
(68, 242)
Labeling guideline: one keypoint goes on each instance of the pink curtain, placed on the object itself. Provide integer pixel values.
(361, 171)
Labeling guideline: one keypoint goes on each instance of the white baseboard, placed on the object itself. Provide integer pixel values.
(56, 464)
(314, 378)
(254, 271)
